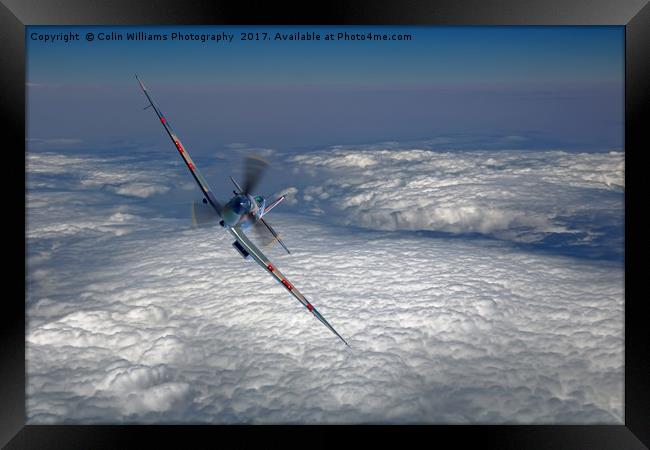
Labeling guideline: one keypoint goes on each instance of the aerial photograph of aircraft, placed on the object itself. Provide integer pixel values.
(449, 201)
(241, 212)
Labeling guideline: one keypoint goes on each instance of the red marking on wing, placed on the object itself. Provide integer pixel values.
(287, 284)
(163, 120)
(270, 267)
(309, 307)
(190, 165)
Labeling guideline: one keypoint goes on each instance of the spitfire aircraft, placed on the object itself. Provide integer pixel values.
(241, 212)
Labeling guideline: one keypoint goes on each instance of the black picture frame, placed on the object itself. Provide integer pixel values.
(16, 14)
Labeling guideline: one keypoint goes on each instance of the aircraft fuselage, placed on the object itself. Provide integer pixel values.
(242, 210)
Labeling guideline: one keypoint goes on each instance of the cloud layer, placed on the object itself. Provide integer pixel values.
(133, 317)
(522, 196)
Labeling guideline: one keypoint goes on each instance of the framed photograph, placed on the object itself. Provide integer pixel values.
(380, 219)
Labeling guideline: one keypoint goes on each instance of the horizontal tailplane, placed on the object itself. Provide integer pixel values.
(273, 204)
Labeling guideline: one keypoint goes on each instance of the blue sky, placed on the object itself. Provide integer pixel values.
(559, 87)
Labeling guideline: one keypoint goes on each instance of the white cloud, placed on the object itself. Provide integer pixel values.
(169, 324)
(290, 193)
(124, 175)
(513, 195)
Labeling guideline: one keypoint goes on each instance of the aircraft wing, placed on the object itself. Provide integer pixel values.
(263, 261)
(205, 188)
